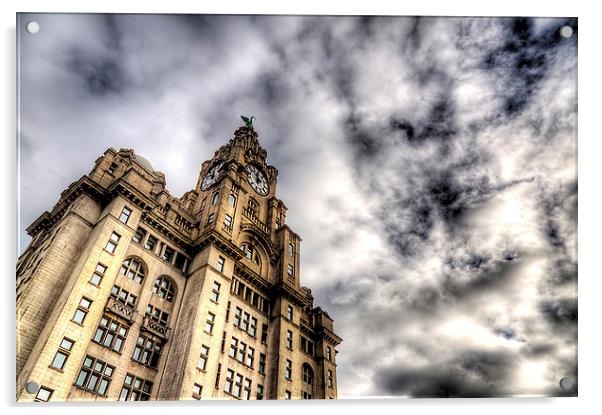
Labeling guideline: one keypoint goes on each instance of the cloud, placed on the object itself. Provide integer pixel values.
(429, 165)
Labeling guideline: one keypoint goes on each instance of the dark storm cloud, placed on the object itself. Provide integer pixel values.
(428, 163)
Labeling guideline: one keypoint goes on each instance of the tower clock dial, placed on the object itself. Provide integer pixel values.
(212, 176)
(257, 179)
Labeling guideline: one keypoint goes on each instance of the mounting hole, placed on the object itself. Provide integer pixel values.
(32, 387)
(32, 28)
(567, 383)
(566, 32)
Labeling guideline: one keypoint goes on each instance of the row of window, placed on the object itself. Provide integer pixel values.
(242, 353)
(245, 322)
(252, 297)
(166, 252)
(239, 386)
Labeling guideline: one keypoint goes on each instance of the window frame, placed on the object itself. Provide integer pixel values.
(125, 212)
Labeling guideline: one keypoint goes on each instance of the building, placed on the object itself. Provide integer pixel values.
(127, 292)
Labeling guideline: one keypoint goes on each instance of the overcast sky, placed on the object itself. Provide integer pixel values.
(429, 164)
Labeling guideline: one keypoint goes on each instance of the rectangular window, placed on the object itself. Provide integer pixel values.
(211, 218)
(244, 325)
(99, 272)
(259, 392)
(223, 342)
(289, 339)
(233, 347)
(217, 376)
(125, 214)
(110, 334)
(242, 351)
(111, 169)
(329, 353)
(228, 221)
(135, 389)
(289, 313)
(290, 249)
(210, 323)
(139, 235)
(250, 357)
(62, 354)
(288, 370)
(229, 381)
(112, 243)
(232, 200)
(228, 311)
(237, 316)
(94, 376)
(237, 386)
(147, 351)
(43, 394)
(307, 346)
(196, 391)
(215, 198)
(82, 310)
(287, 395)
(290, 270)
(157, 315)
(247, 390)
(215, 291)
(168, 254)
(151, 243)
(220, 263)
(253, 327)
(329, 378)
(264, 333)
(123, 296)
(306, 395)
(202, 364)
(261, 366)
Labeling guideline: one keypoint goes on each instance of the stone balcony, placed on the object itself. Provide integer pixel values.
(155, 328)
(120, 309)
(250, 214)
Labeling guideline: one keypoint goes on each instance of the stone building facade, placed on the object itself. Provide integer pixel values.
(129, 293)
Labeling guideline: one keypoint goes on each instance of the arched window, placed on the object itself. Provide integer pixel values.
(165, 288)
(250, 252)
(308, 374)
(133, 269)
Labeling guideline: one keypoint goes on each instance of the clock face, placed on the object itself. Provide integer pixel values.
(212, 176)
(257, 180)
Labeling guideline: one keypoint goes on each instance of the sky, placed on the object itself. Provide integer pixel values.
(429, 164)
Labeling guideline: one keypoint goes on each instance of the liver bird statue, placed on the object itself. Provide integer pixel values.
(248, 121)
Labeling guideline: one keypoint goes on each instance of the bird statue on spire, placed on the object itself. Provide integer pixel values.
(248, 121)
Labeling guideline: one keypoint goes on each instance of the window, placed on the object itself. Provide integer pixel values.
(237, 316)
(215, 291)
(112, 168)
(43, 394)
(329, 353)
(112, 243)
(217, 376)
(250, 357)
(123, 296)
(253, 327)
(156, 314)
(215, 198)
(210, 323)
(329, 378)
(220, 263)
(211, 218)
(233, 347)
(290, 270)
(110, 334)
(264, 333)
(151, 243)
(135, 389)
(287, 395)
(289, 339)
(99, 272)
(247, 390)
(259, 396)
(242, 351)
(289, 313)
(202, 364)
(253, 298)
(228, 221)
(237, 386)
(82, 310)
(147, 351)
(228, 311)
(288, 370)
(291, 249)
(307, 346)
(308, 374)
(181, 262)
(229, 381)
(244, 325)
(139, 235)
(168, 254)
(261, 366)
(164, 288)
(132, 268)
(253, 207)
(196, 391)
(62, 354)
(306, 395)
(232, 200)
(223, 348)
(94, 376)
(125, 214)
